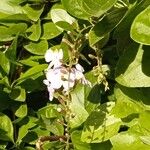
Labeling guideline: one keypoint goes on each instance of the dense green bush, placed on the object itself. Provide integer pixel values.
(106, 108)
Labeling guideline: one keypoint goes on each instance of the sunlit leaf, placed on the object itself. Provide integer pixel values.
(38, 48)
(18, 94)
(128, 141)
(50, 31)
(4, 63)
(140, 29)
(133, 67)
(103, 27)
(61, 18)
(129, 100)
(9, 8)
(6, 128)
(85, 9)
(21, 111)
(100, 125)
(24, 129)
(34, 32)
(79, 114)
(33, 11)
(31, 72)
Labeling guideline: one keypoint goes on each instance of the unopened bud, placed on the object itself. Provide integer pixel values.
(59, 109)
(86, 35)
(66, 129)
(67, 135)
(68, 32)
(92, 56)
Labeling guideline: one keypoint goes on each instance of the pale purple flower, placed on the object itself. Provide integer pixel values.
(54, 57)
(59, 76)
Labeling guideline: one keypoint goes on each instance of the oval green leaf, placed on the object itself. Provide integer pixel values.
(38, 48)
(140, 29)
(133, 67)
(50, 31)
(6, 128)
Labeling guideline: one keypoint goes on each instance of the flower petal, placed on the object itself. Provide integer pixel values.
(67, 85)
(79, 68)
(49, 55)
(51, 92)
(46, 82)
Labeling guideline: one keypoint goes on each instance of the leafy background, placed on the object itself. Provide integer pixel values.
(112, 41)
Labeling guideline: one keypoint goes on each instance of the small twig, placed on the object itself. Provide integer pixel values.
(42, 139)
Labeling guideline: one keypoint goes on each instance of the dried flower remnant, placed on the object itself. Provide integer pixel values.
(60, 76)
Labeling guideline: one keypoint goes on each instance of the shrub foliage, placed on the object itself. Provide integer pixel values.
(110, 39)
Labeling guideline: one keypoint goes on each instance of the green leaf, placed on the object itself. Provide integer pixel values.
(24, 129)
(84, 9)
(40, 131)
(100, 125)
(13, 18)
(5, 81)
(144, 121)
(129, 100)
(74, 8)
(93, 97)
(96, 8)
(5, 101)
(12, 50)
(79, 145)
(79, 114)
(28, 148)
(16, 2)
(31, 72)
(140, 29)
(50, 31)
(4, 63)
(62, 19)
(8, 33)
(103, 27)
(11, 54)
(38, 48)
(34, 32)
(6, 128)
(6, 36)
(29, 62)
(145, 139)
(33, 11)
(133, 67)
(9, 8)
(56, 128)
(18, 94)
(122, 32)
(49, 119)
(128, 141)
(21, 111)
(49, 111)
(17, 29)
(3, 145)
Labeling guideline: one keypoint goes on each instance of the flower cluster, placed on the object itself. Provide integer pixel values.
(60, 76)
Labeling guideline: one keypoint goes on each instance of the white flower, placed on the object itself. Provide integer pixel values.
(79, 68)
(54, 77)
(54, 57)
(51, 92)
(59, 76)
(68, 85)
(79, 72)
